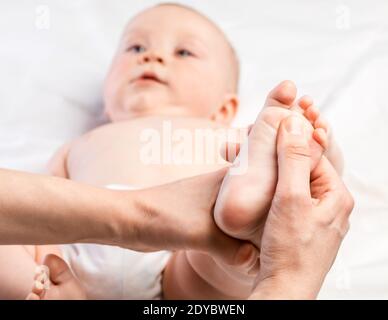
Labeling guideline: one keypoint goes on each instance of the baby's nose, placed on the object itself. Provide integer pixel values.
(148, 57)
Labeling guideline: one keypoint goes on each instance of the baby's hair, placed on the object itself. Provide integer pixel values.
(235, 65)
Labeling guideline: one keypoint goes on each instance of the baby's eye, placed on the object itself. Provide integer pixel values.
(184, 53)
(136, 48)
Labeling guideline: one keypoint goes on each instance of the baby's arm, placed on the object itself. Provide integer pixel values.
(195, 275)
(57, 165)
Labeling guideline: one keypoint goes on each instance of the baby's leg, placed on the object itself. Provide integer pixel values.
(17, 269)
(42, 251)
(62, 284)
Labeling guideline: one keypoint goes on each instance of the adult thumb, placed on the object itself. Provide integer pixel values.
(293, 158)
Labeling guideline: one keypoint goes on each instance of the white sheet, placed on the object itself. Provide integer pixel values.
(337, 51)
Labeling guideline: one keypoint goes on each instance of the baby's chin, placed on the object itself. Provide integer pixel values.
(117, 114)
(124, 115)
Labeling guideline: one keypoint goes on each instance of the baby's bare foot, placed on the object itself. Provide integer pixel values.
(244, 200)
(55, 281)
(321, 132)
(323, 135)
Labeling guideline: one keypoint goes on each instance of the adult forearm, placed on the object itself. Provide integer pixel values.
(36, 209)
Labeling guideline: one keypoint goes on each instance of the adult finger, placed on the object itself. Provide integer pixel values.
(331, 192)
(293, 159)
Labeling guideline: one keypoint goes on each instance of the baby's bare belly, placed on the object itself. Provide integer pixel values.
(147, 151)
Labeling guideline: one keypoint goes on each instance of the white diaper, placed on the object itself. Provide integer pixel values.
(109, 272)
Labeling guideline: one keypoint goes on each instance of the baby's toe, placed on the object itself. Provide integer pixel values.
(312, 114)
(321, 123)
(302, 104)
(320, 135)
(283, 95)
(305, 102)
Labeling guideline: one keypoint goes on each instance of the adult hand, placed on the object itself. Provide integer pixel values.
(179, 216)
(306, 224)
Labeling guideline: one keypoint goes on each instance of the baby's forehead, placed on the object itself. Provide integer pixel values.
(181, 21)
(181, 37)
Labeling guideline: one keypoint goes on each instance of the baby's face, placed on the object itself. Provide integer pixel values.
(170, 61)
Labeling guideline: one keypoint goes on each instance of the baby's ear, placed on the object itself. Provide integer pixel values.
(226, 113)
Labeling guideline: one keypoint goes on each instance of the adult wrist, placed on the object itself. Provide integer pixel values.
(123, 221)
(135, 221)
(286, 287)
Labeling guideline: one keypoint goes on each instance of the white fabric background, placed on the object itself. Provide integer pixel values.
(336, 51)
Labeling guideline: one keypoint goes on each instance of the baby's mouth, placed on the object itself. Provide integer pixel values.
(149, 77)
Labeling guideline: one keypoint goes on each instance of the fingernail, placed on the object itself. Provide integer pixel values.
(294, 126)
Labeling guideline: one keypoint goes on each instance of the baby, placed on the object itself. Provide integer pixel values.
(174, 70)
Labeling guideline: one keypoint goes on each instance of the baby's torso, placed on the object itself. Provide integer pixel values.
(147, 151)
(138, 153)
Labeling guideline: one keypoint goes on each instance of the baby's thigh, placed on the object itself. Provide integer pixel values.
(17, 269)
